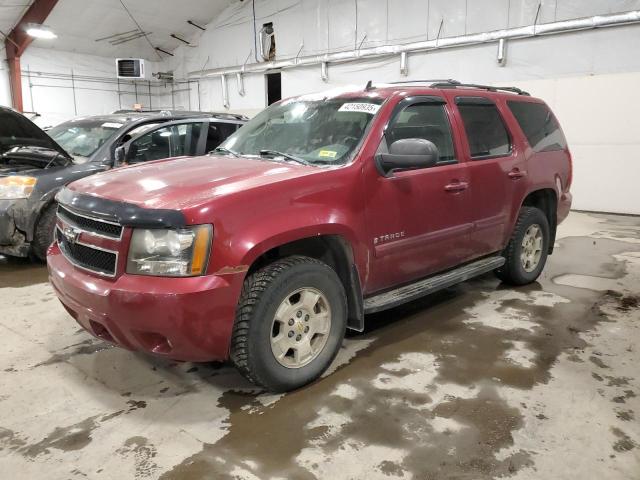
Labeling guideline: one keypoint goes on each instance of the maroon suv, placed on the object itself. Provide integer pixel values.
(321, 209)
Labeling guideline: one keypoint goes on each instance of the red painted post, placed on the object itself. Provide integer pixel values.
(17, 42)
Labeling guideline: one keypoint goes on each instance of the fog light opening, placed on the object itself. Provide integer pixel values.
(101, 332)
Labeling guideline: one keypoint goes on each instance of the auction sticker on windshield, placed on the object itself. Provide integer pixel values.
(111, 125)
(371, 108)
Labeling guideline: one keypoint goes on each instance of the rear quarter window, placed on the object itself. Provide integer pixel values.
(539, 126)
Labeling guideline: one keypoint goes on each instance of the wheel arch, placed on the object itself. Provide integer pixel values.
(545, 199)
(331, 248)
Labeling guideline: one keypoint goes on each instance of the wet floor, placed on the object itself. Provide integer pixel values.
(479, 381)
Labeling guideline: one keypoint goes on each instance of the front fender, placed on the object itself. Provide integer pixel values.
(240, 248)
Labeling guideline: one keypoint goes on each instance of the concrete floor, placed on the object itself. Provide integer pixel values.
(477, 382)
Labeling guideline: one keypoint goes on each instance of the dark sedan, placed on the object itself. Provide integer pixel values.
(35, 165)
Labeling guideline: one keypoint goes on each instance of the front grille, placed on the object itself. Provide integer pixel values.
(92, 225)
(88, 257)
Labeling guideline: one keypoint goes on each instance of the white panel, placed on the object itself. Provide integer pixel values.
(315, 17)
(342, 15)
(606, 178)
(408, 19)
(288, 28)
(487, 15)
(600, 110)
(5, 91)
(372, 22)
(523, 12)
(451, 13)
(579, 8)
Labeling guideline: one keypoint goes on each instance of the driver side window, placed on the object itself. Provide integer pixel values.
(170, 141)
(153, 145)
(427, 121)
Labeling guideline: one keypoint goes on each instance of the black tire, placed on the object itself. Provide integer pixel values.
(43, 235)
(513, 271)
(262, 294)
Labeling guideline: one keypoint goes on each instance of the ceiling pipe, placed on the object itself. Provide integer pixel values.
(17, 42)
(599, 21)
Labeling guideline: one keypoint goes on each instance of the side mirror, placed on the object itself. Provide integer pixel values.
(408, 154)
(121, 155)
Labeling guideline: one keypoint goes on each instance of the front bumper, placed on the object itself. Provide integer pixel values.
(187, 319)
(13, 241)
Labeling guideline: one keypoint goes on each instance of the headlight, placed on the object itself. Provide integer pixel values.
(14, 187)
(170, 253)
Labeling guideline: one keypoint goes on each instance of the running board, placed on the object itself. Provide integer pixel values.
(429, 285)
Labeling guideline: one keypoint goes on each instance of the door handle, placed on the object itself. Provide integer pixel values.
(516, 174)
(456, 186)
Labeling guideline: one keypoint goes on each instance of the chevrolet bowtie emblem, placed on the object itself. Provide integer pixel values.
(71, 234)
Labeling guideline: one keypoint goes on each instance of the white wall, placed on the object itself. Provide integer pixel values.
(49, 90)
(600, 120)
(5, 90)
(579, 74)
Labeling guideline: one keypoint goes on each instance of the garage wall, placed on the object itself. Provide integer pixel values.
(574, 72)
(5, 90)
(62, 85)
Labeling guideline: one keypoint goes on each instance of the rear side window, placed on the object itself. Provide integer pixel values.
(539, 126)
(218, 133)
(485, 129)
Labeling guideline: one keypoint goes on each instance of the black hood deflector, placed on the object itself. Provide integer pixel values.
(126, 214)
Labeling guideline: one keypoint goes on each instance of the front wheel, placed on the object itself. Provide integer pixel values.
(290, 323)
(526, 253)
(43, 235)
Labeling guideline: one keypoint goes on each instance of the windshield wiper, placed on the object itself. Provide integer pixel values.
(225, 150)
(275, 153)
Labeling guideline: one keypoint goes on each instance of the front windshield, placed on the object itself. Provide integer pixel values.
(316, 132)
(82, 138)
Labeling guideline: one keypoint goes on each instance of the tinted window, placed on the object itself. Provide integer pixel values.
(218, 133)
(187, 140)
(428, 121)
(486, 132)
(539, 126)
(172, 141)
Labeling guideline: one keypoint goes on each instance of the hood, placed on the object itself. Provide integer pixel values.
(185, 182)
(18, 131)
(19, 159)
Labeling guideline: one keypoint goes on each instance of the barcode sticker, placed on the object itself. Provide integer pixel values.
(370, 108)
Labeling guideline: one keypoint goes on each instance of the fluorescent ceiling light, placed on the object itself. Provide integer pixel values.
(40, 31)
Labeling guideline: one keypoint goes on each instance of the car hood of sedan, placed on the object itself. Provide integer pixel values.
(186, 182)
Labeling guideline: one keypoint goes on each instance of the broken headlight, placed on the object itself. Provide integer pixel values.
(181, 252)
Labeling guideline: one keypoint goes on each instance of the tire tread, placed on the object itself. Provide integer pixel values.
(508, 273)
(252, 290)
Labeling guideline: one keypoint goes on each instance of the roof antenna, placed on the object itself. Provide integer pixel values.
(369, 86)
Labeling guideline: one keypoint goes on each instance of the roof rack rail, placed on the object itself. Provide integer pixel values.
(446, 80)
(450, 83)
(371, 85)
(490, 88)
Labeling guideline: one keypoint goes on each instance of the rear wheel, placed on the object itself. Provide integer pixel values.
(43, 236)
(290, 323)
(526, 253)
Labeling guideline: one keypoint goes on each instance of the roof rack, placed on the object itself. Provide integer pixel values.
(490, 88)
(371, 86)
(450, 83)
